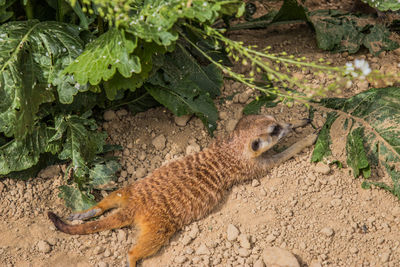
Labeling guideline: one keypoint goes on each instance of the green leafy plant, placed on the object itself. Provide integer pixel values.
(335, 30)
(371, 119)
(384, 5)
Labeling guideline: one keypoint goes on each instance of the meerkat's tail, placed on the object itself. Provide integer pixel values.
(115, 220)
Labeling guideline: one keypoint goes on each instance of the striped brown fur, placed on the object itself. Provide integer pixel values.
(185, 190)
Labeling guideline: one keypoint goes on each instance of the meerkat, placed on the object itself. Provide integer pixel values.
(187, 189)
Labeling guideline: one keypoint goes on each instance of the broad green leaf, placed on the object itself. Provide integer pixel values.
(321, 148)
(103, 173)
(82, 143)
(384, 5)
(184, 87)
(75, 199)
(32, 55)
(378, 40)
(147, 52)
(254, 106)
(340, 31)
(17, 155)
(373, 139)
(102, 57)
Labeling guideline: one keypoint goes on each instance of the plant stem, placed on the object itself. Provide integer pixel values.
(60, 13)
(29, 9)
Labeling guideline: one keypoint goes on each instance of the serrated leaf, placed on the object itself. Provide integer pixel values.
(102, 57)
(184, 87)
(103, 173)
(146, 52)
(82, 142)
(75, 199)
(374, 138)
(340, 31)
(32, 54)
(378, 40)
(254, 106)
(321, 148)
(17, 155)
(384, 5)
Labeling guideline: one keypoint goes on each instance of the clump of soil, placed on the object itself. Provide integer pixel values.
(318, 214)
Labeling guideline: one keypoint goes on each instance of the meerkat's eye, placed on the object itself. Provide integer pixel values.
(276, 130)
(255, 145)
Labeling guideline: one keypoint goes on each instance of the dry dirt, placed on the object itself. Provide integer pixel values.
(319, 213)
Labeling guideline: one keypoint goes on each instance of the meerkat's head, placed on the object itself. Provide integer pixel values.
(259, 133)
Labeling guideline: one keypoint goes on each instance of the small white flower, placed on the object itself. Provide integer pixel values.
(349, 67)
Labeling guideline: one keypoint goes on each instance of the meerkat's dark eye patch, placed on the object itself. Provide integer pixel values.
(255, 145)
(276, 130)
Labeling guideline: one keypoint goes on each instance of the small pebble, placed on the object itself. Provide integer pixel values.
(232, 232)
(243, 252)
(182, 120)
(186, 240)
(274, 256)
(43, 246)
(259, 263)
(244, 241)
(327, 231)
(109, 115)
(159, 142)
(180, 259)
(230, 125)
(102, 264)
(202, 250)
(322, 168)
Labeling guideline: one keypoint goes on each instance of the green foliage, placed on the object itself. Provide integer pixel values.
(335, 30)
(54, 73)
(372, 118)
(264, 100)
(187, 88)
(384, 5)
(153, 20)
(102, 57)
(322, 148)
(339, 31)
(75, 198)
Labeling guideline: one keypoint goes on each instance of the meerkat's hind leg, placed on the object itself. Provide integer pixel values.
(152, 236)
(114, 200)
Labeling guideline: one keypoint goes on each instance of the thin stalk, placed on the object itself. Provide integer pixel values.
(29, 10)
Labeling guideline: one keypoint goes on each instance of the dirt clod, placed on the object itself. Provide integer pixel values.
(322, 168)
(182, 120)
(159, 142)
(232, 232)
(109, 115)
(279, 257)
(43, 246)
(327, 231)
